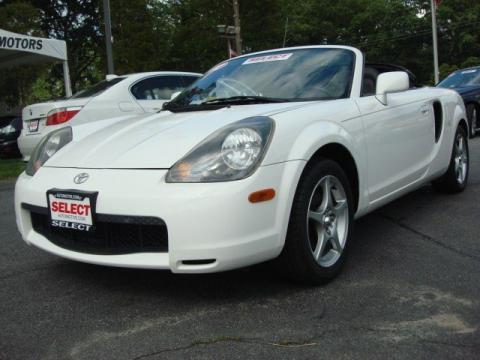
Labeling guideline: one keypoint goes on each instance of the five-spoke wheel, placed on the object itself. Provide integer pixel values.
(455, 179)
(320, 223)
(460, 158)
(327, 220)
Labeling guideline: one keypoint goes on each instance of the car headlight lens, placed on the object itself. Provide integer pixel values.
(231, 153)
(47, 147)
(241, 148)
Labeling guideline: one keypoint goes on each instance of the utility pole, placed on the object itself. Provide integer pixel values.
(285, 33)
(236, 18)
(435, 40)
(108, 35)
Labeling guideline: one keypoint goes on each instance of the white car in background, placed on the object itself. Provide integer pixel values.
(117, 96)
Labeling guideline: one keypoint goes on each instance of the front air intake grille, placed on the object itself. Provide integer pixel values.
(113, 235)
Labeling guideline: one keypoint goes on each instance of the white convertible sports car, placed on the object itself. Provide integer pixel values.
(272, 154)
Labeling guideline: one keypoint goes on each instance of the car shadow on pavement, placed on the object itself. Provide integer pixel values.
(265, 279)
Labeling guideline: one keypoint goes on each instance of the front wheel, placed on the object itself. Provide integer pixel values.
(455, 179)
(320, 225)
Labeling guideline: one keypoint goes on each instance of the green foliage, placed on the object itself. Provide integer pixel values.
(20, 17)
(154, 35)
(11, 168)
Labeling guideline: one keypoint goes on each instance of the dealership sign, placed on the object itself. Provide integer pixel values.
(18, 43)
(33, 48)
(19, 49)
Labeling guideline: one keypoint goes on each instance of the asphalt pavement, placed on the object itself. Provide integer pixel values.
(410, 290)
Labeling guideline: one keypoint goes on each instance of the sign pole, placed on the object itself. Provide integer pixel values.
(66, 79)
(236, 18)
(435, 41)
(108, 35)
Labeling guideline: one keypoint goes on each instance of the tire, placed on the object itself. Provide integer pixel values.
(313, 217)
(472, 116)
(456, 178)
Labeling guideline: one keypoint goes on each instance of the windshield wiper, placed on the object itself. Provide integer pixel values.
(221, 102)
(238, 100)
(174, 107)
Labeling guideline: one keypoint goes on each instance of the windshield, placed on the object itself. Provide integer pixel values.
(462, 78)
(97, 89)
(286, 75)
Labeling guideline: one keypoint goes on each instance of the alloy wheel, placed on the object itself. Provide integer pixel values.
(328, 221)
(460, 159)
(474, 121)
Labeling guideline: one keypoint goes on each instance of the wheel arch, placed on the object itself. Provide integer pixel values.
(475, 104)
(460, 114)
(337, 144)
(341, 155)
(464, 123)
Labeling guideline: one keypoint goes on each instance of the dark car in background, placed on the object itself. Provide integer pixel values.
(10, 128)
(467, 83)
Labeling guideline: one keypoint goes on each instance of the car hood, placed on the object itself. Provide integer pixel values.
(151, 141)
(466, 90)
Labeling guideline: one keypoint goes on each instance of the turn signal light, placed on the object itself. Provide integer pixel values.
(261, 195)
(59, 116)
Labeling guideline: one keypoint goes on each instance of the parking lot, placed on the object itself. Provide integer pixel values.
(411, 289)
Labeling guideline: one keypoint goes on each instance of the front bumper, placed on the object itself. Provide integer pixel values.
(212, 221)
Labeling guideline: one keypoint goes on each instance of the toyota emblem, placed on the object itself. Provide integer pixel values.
(81, 178)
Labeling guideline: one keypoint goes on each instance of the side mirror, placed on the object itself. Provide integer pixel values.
(174, 95)
(391, 82)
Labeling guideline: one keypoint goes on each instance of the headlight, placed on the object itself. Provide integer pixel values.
(47, 147)
(231, 153)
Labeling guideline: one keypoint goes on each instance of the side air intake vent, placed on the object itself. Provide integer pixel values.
(438, 114)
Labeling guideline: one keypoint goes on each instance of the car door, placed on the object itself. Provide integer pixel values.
(399, 140)
(153, 91)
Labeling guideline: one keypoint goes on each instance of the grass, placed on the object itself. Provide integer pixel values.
(11, 168)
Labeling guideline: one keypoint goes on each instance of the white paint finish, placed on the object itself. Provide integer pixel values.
(124, 144)
(391, 82)
(229, 228)
(152, 105)
(115, 102)
(399, 139)
(393, 147)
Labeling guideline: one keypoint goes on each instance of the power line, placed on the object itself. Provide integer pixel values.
(417, 34)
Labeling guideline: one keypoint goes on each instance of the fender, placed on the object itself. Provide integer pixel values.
(307, 143)
(458, 114)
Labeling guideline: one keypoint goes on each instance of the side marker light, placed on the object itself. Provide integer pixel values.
(261, 195)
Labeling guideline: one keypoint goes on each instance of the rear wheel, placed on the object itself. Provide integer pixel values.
(320, 224)
(472, 116)
(455, 179)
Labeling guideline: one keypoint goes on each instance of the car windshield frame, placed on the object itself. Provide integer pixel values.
(337, 62)
(456, 79)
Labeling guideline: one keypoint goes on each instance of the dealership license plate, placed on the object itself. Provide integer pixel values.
(73, 210)
(33, 125)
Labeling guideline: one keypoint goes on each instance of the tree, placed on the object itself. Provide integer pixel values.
(76, 22)
(15, 83)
